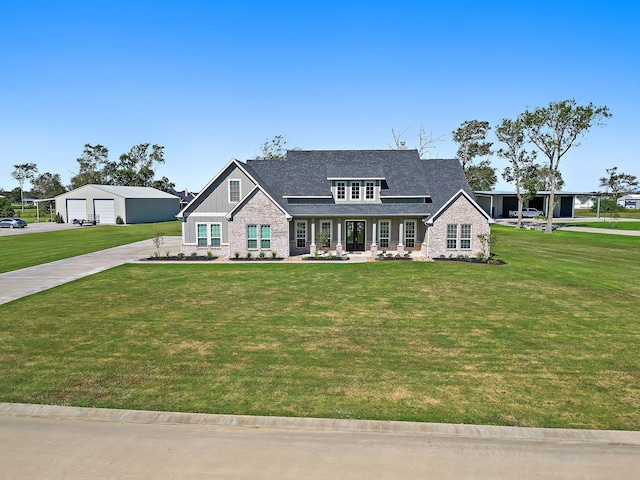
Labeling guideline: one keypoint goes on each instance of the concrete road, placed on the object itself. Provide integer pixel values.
(72, 448)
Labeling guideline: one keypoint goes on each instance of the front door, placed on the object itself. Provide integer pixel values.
(355, 236)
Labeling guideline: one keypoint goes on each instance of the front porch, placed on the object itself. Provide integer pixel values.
(368, 236)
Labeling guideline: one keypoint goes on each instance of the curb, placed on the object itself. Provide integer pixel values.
(322, 424)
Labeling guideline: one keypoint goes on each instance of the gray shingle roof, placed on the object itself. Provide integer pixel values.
(306, 173)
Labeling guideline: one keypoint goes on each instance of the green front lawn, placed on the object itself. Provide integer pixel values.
(604, 224)
(627, 213)
(26, 250)
(550, 340)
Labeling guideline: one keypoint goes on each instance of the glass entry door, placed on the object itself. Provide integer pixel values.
(355, 236)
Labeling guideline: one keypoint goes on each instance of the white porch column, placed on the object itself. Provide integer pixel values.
(312, 248)
(400, 238)
(339, 238)
(374, 244)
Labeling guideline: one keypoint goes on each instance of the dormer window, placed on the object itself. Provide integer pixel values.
(361, 190)
(368, 193)
(355, 191)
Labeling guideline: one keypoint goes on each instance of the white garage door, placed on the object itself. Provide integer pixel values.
(76, 208)
(105, 211)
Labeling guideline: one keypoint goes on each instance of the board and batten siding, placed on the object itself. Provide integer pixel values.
(216, 199)
(190, 234)
(212, 207)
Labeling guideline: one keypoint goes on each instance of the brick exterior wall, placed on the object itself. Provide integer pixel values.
(259, 210)
(461, 211)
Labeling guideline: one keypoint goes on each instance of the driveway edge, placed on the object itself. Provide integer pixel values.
(322, 424)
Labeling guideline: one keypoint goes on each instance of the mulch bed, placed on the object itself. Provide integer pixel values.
(394, 259)
(175, 258)
(326, 259)
(256, 259)
(470, 260)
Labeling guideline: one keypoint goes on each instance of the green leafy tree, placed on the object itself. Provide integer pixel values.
(554, 130)
(608, 206)
(471, 139)
(47, 185)
(165, 185)
(6, 209)
(134, 168)
(23, 172)
(522, 169)
(137, 167)
(91, 166)
(618, 183)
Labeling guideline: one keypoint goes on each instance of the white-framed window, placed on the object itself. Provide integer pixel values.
(368, 192)
(342, 191)
(252, 237)
(265, 236)
(452, 236)
(410, 233)
(209, 234)
(385, 229)
(355, 190)
(234, 190)
(465, 236)
(216, 234)
(301, 234)
(201, 230)
(325, 226)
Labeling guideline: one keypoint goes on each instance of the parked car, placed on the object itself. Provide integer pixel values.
(12, 223)
(526, 213)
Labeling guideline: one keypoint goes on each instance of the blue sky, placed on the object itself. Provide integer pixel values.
(213, 80)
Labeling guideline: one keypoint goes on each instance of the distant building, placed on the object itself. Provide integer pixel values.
(105, 203)
(498, 204)
(584, 202)
(631, 200)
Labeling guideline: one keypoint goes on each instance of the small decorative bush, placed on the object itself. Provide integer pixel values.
(237, 254)
(248, 254)
(181, 256)
(274, 254)
(119, 220)
(58, 218)
(261, 254)
(209, 255)
(194, 255)
(167, 254)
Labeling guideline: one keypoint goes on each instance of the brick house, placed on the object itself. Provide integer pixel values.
(366, 200)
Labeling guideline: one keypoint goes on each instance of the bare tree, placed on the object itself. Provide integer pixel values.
(426, 141)
(273, 149)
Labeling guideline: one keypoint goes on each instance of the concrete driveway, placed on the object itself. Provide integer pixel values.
(37, 228)
(20, 283)
(41, 442)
